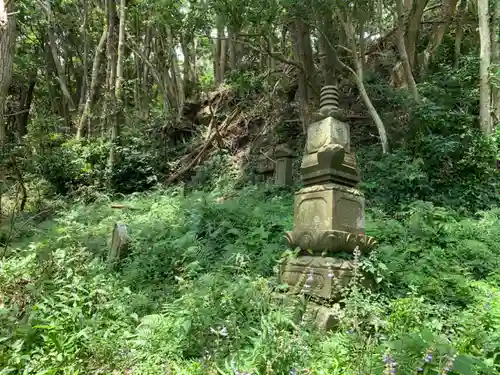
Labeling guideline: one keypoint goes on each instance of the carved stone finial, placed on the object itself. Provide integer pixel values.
(329, 103)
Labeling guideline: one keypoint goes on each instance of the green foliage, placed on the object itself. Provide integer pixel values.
(72, 166)
(196, 294)
(444, 158)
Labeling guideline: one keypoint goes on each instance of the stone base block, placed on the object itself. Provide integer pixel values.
(329, 207)
(320, 277)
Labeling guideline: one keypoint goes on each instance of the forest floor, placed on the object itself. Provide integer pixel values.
(196, 293)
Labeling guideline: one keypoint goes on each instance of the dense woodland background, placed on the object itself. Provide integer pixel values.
(164, 106)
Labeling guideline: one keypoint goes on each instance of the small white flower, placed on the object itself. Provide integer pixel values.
(223, 331)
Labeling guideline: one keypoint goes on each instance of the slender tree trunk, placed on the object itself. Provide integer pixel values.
(145, 86)
(485, 56)
(85, 81)
(176, 73)
(410, 81)
(82, 124)
(359, 76)
(449, 7)
(219, 52)
(111, 45)
(60, 69)
(303, 55)
(25, 106)
(495, 57)
(414, 21)
(118, 112)
(187, 45)
(459, 32)
(233, 58)
(326, 47)
(7, 38)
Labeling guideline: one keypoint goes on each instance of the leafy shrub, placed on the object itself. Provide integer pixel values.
(196, 294)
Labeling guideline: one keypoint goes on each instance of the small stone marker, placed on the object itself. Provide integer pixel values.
(284, 170)
(119, 243)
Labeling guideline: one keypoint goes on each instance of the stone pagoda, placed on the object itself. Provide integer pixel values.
(328, 212)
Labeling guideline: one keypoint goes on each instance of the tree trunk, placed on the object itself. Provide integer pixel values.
(359, 76)
(328, 53)
(410, 81)
(495, 59)
(118, 110)
(25, 106)
(485, 56)
(232, 47)
(459, 32)
(60, 69)
(187, 45)
(220, 52)
(85, 79)
(111, 45)
(82, 124)
(176, 73)
(7, 39)
(302, 51)
(426, 57)
(414, 20)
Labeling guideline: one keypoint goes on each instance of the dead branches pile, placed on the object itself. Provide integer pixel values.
(231, 123)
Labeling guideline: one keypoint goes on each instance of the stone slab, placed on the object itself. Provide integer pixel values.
(329, 207)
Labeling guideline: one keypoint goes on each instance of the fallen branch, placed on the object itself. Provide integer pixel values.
(123, 206)
(204, 149)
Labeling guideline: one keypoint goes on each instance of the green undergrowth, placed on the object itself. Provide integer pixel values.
(195, 294)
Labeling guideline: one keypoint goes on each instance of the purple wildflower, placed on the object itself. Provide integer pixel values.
(428, 358)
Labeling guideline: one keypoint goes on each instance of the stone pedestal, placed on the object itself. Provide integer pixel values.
(284, 170)
(317, 276)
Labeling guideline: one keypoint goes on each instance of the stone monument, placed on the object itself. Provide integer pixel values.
(119, 243)
(328, 212)
(284, 165)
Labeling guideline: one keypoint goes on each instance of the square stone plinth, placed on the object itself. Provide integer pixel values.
(322, 277)
(329, 207)
(327, 131)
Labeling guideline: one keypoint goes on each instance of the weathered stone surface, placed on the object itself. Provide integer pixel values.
(329, 242)
(265, 164)
(329, 207)
(328, 156)
(322, 277)
(264, 168)
(284, 167)
(119, 243)
(327, 318)
(327, 131)
(328, 215)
